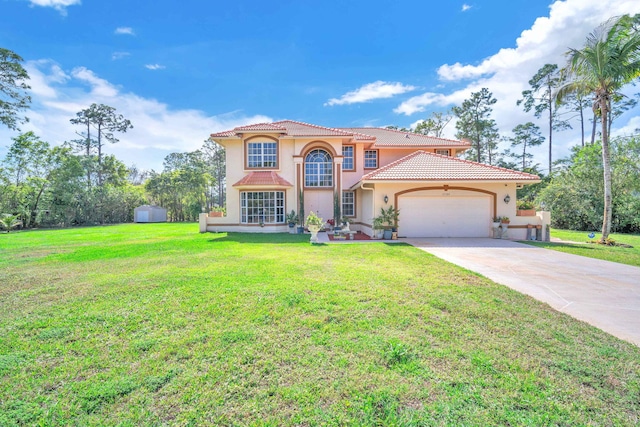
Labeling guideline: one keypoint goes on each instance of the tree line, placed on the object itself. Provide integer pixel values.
(78, 184)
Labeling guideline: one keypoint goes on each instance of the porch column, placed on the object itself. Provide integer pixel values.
(298, 183)
(337, 163)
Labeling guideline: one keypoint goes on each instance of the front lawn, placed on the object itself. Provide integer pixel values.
(619, 254)
(155, 324)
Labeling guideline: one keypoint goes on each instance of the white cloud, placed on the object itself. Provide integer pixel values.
(59, 5)
(371, 91)
(99, 87)
(466, 7)
(158, 129)
(119, 55)
(125, 30)
(420, 102)
(155, 67)
(507, 72)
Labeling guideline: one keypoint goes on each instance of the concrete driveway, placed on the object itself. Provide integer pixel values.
(602, 293)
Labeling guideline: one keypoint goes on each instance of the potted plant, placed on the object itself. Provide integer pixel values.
(378, 226)
(504, 224)
(389, 219)
(525, 208)
(292, 219)
(495, 226)
(314, 223)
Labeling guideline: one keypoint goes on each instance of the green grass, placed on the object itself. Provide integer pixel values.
(159, 325)
(622, 255)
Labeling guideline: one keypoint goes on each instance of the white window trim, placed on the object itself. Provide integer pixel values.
(275, 198)
(261, 155)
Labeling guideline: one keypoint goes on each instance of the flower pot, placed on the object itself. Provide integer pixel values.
(387, 235)
(496, 230)
(300, 229)
(313, 229)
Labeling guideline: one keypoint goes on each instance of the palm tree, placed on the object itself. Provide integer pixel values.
(609, 59)
(8, 221)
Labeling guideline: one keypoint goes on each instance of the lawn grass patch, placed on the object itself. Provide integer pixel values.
(156, 324)
(622, 255)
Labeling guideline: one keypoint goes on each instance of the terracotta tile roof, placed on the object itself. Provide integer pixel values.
(382, 137)
(423, 166)
(306, 129)
(263, 178)
(223, 134)
(293, 128)
(396, 138)
(260, 127)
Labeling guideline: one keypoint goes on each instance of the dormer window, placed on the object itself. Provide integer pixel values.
(262, 155)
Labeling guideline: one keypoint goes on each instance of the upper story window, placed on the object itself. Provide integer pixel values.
(318, 169)
(347, 154)
(370, 159)
(442, 152)
(262, 154)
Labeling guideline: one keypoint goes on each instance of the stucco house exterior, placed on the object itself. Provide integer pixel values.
(272, 167)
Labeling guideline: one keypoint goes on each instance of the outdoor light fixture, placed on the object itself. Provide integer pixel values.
(386, 199)
(507, 199)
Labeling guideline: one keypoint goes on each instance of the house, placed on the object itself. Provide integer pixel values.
(273, 167)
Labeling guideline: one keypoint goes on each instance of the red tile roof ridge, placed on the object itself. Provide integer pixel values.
(338, 130)
(259, 124)
(411, 133)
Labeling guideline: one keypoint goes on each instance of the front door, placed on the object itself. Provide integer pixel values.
(320, 202)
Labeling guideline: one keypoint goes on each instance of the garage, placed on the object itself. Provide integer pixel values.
(445, 214)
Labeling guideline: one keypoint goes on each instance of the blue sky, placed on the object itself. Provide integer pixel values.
(181, 70)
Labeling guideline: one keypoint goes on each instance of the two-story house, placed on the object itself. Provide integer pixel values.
(273, 167)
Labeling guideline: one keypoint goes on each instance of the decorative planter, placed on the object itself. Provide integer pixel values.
(215, 214)
(300, 229)
(313, 229)
(496, 230)
(526, 212)
(387, 235)
(504, 226)
(377, 234)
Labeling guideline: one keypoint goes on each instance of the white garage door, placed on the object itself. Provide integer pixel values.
(445, 216)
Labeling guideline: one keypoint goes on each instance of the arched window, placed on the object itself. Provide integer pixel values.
(318, 169)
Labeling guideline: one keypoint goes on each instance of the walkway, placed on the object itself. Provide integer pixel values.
(602, 293)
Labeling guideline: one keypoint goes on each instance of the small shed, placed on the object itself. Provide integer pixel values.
(149, 213)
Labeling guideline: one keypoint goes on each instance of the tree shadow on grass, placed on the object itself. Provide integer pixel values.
(267, 238)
